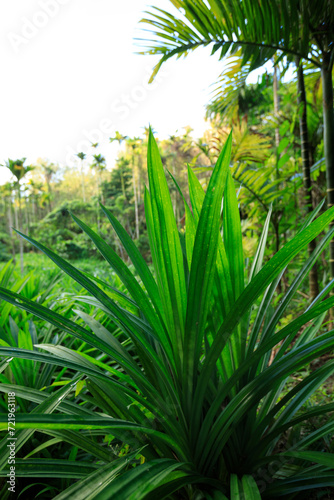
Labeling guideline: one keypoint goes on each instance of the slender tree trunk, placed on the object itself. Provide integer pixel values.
(16, 217)
(276, 103)
(49, 197)
(327, 86)
(139, 179)
(36, 209)
(20, 227)
(98, 197)
(10, 225)
(277, 141)
(123, 184)
(305, 153)
(27, 217)
(100, 188)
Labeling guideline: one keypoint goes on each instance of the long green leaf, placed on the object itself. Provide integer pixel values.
(131, 284)
(203, 267)
(76, 422)
(138, 482)
(252, 291)
(48, 406)
(169, 259)
(50, 468)
(94, 483)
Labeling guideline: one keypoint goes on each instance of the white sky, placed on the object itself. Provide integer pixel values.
(70, 76)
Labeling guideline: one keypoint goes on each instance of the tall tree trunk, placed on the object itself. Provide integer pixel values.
(139, 172)
(98, 200)
(20, 227)
(27, 217)
(10, 225)
(276, 102)
(100, 187)
(16, 216)
(327, 91)
(36, 209)
(277, 141)
(305, 153)
(123, 184)
(49, 197)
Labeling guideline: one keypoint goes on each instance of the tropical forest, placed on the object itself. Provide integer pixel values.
(167, 298)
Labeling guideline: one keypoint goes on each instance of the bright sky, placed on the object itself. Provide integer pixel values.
(70, 76)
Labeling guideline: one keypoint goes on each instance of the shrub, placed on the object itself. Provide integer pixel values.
(193, 383)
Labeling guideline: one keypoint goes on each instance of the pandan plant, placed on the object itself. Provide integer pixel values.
(196, 382)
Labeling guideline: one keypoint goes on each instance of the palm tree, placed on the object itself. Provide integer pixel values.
(232, 96)
(7, 195)
(19, 170)
(82, 156)
(118, 137)
(135, 144)
(261, 30)
(306, 165)
(99, 164)
(48, 170)
(35, 194)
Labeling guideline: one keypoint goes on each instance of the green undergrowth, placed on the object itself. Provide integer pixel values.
(191, 379)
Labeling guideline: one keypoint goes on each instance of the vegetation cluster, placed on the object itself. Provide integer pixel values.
(166, 322)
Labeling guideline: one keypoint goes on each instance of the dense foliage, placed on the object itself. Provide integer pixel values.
(166, 321)
(264, 174)
(189, 367)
